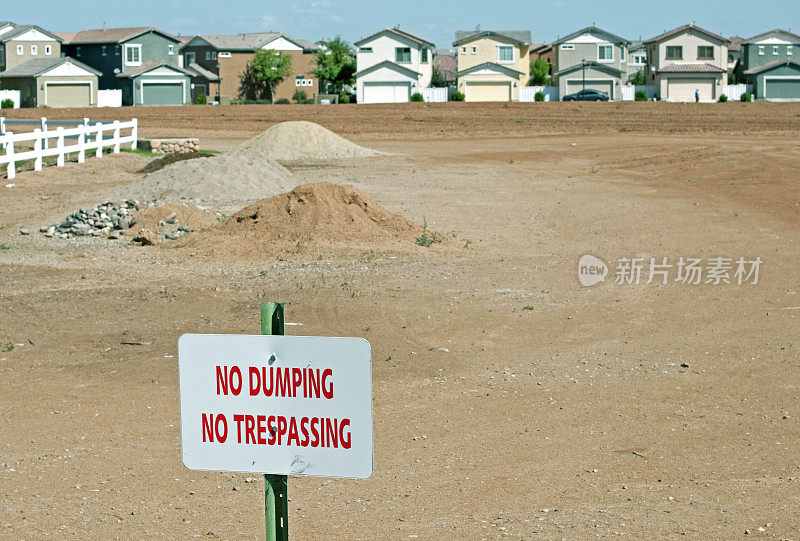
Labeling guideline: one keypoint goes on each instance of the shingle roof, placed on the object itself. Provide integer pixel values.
(37, 66)
(593, 30)
(112, 35)
(147, 66)
(252, 41)
(777, 31)
(203, 72)
(11, 34)
(681, 29)
(590, 64)
(399, 32)
(770, 65)
(520, 36)
(691, 68)
(387, 64)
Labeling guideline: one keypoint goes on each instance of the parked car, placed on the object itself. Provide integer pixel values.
(587, 95)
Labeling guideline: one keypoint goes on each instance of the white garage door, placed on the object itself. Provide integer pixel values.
(488, 91)
(684, 89)
(386, 92)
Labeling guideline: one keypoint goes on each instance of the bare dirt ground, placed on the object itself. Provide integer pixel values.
(509, 401)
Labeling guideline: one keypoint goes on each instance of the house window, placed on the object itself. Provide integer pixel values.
(133, 55)
(605, 53)
(20, 50)
(505, 53)
(567, 47)
(191, 58)
(34, 50)
(789, 50)
(77, 51)
(48, 50)
(116, 50)
(425, 56)
(705, 52)
(103, 49)
(474, 50)
(365, 49)
(760, 49)
(171, 49)
(674, 52)
(213, 55)
(464, 49)
(208, 55)
(402, 54)
(774, 49)
(638, 59)
(224, 54)
(622, 53)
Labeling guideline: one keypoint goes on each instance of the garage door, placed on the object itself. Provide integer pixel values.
(603, 86)
(162, 93)
(69, 95)
(783, 89)
(684, 89)
(488, 91)
(386, 92)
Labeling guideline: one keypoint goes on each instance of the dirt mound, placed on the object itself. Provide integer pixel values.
(160, 163)
(318, 214)
(224, 182)
(301, 140)
(171, 220)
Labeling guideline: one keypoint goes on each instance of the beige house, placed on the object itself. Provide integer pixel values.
(492, 65)
(53, 82)
(687, 62)
(19, 44)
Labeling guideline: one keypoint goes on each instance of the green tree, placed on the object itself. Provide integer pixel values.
(539, 72)
(336, 66)
(637, 78)
(263, 74)
(437, 78)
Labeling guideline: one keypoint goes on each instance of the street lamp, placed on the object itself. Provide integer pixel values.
(584, 62)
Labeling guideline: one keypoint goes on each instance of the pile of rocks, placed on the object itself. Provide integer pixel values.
(106, 219)
(169, 146)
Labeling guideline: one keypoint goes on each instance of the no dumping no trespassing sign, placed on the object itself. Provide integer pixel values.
(284, 405)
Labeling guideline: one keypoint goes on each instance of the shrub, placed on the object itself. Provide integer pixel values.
(344, 97)
(458, 96)
(282, 101)
(300, 96)
(416, 96)
(723, 98)
(746, 96)
(7, 104)
(539, 96)
(200, 99)
(640, 95)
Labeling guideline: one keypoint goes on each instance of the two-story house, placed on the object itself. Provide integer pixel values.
(220, 60)
(591, 59)
(18, 44)
(142, 62)
(391, 65)
(771, 63)
(637, 59)
(687, 62)
(492, 64)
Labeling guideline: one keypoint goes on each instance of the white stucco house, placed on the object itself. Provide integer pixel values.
(391, 66)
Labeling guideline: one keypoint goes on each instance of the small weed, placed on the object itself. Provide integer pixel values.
(593, 170)
(623, 129)
(5, 247)
(691, 179)
(424, 240)
(518, 120)
(431, 349)
(528, 308)
(367, 328)
(8, 347)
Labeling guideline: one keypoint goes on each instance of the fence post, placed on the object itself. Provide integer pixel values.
(99, 140)
(44, 132)
(85, 121)
(11, 170)
(82, 143)
(60, 146)
(116, 137)
(134, 133)
(37, 149)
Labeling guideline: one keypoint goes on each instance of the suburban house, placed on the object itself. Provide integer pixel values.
(18, 44)
(492, 65)
(686, 60)
(637, 59)
(590, 58)
(52, 82)
(444, 60)
(391, 65)
(734, 53)
(542, 51)
(142, 62)
(219, 61)
(771, 63)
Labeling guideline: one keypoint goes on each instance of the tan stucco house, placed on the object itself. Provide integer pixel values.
(18, 44)
(52, 82)
(591, 59)
(685, 61)
(492, 64)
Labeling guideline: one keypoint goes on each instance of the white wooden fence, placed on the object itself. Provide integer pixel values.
(629, 91)
(734, 92)
(437, 95)
(12, 95)
(88, 137)
(528, 93)
(109, 98)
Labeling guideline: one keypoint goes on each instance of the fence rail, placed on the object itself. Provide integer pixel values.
(734, 92)
(528, 93)
(89, 137)
(437, 95)
(629, 91)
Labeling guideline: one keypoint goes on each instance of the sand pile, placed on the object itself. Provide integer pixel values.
(301, 140)
(225, 182)
(318, 214)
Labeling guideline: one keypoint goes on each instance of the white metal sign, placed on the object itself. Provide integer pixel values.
(285, 405)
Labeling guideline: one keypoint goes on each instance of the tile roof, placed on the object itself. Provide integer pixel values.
(777, 31)
(112, 35)
(691, 68)
(399, 32)
(520, 36)
(681, 29)
(147, 66)
(770, 65)
(735, 44)
(252, 41)
(37, 66)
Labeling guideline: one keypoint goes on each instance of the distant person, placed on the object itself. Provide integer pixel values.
(697, 95)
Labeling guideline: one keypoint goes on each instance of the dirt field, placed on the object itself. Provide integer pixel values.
(509, 400)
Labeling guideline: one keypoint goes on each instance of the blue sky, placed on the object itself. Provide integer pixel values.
(435, 20)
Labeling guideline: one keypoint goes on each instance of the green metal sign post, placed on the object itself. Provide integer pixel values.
(276, 501)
